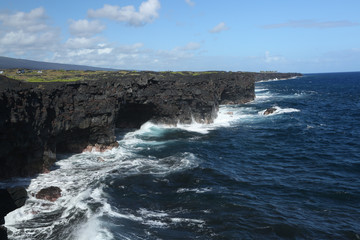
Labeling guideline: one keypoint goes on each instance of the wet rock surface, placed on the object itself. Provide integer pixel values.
(269, 111)
(50, 194)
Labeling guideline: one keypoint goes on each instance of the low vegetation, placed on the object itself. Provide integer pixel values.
(48, 75)
(40, 76)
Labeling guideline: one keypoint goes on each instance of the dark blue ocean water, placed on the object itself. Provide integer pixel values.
(294, 174)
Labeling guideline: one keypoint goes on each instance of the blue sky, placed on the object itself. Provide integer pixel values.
(232, 35)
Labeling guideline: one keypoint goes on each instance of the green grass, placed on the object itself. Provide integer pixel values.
(181, 73)
(202, 73)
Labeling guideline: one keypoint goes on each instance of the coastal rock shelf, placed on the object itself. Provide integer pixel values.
(39, 120)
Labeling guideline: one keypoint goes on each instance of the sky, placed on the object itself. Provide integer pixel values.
(193, 35)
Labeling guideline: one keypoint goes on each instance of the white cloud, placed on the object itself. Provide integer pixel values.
(269, 59)
(85, 28)
(102, 54)
(191, 46)
(80, 52)
(190, 3)
(148, 12)
(33, 21)
(27, 33)
(133, 56)
(311, 24)
(30, 36)
(82, 42)
(219, 28)
(19, 37)
(105, 50)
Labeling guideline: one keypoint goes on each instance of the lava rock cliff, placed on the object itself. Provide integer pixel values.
(39, 120)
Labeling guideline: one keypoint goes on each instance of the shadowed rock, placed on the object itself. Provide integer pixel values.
(10, 199)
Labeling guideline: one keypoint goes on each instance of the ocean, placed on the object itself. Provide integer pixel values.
(294, 174)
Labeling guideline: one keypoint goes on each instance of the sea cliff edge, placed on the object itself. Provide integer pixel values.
(39, 120)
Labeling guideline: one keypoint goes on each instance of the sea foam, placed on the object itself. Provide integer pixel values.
(279, 110)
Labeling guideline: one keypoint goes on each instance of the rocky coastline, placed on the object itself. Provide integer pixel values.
(39, 120)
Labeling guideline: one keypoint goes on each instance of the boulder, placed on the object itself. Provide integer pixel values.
(50, 194)
(269, 111)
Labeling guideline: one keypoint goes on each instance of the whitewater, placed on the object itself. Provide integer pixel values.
(291, 174)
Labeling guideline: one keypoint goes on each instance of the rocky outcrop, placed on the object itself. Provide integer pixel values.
(39, 120)
(50, 194)
(269, 111)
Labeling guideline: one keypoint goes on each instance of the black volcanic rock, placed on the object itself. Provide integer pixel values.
(50, 193)
(10, 199)
(38, 120)
(269, 111)
(3, 233)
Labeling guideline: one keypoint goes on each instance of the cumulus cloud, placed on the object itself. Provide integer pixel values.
(219, 28)
(85, 28)
(190, 3)
(311, 24)
(27, 32)
(22, 38)
(33, 21)
(82, 43)
(29, 35)
(147, 13)
(95, 53)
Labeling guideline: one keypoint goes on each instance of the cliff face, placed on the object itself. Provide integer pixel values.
(38, 120)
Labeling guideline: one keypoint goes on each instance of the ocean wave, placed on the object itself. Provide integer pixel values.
(225, 118)
(278, 111)
(150, 134)
(258, 89)
(196, 190)
(277, 79)
(93, 229)
(263, 94)
(162, 166)
(83, 203)
(268, 96)
(162, 219)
